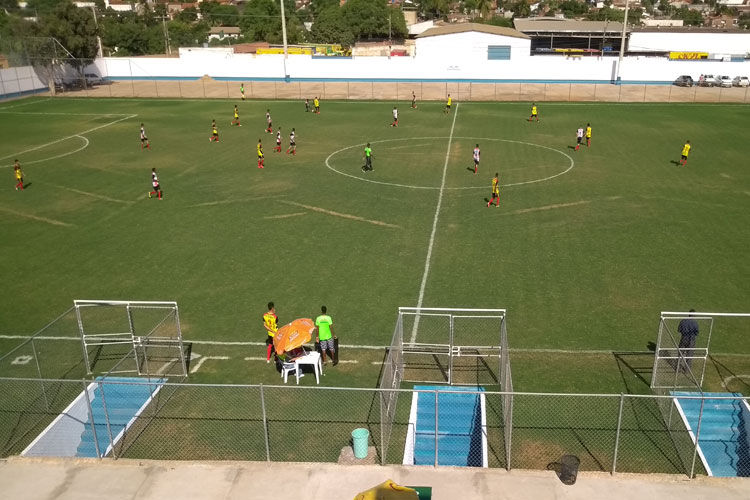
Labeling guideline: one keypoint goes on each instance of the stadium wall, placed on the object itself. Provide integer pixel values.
(17, 82)
(713, 43)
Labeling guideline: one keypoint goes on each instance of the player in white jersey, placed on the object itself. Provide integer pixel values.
(277, 149)
(476, 158)
(155, 184)
(579, 137)
(395, 117)
(144, 139)
(269, 127)
(292, 144)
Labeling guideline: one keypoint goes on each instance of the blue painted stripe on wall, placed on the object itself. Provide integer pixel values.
(381, 80)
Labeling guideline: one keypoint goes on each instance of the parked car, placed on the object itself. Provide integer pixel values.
(724, 81)
(741, 81)
(92, 79)
(708, 81)
(684, 81)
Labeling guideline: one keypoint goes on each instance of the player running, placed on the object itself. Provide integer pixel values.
(277, 149)
(368, 158)
(19, 175)
(269, 123)
(495, 191)
(685, 153)
(144, 139)
(413, 100)
(448, 105)
(395, 117)
(292, 144)
(260, 155)
(534, 113)
(236, 120)
(242, 91)
(214, 132)
(476, 158)
(155, 184)
(579, 137)
(316, 103)
(588, 135)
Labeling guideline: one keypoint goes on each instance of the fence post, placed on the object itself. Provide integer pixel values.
(106, 421)
(265, 423)
(510, 433)
(697, 436)
(39, 371)
(436, 428)
(617, 435)
(91, 419)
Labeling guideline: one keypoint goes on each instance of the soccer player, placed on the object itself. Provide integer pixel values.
(155, 184)
(260, 155)
(277, 149)
(534, 113)
(144, 139)
(495, 191)
(19, 175)
(368, 158)
(292, 144)
(270, 322)
(413, 100)
(579, 138)
(236, 120)
(448, 104)
(395, 117)
(242, 91)
(214, 132)
(323, 333)
(685, 153)
(316, 103)
(476, 158)
(588, 135)
(307, 105)
(269, 127)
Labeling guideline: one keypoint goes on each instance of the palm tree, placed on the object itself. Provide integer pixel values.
(483, 6)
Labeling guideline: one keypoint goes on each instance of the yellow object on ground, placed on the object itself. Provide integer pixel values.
(388, 491)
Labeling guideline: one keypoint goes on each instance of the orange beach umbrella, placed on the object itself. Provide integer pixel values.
(293, 335)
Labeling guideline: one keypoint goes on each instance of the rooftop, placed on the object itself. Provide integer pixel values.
(554, 25)
(467, 27)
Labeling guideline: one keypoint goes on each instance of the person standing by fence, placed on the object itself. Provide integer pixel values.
(270, 323)
(325, 336)
(688, 330)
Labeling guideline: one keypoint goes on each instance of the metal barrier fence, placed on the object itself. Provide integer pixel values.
(612, 433)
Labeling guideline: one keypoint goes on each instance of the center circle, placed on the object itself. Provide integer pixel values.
(364, 176)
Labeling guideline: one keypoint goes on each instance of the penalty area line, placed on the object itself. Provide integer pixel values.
(339, 214)
(36, 217)
(431, 245)
(92, 195)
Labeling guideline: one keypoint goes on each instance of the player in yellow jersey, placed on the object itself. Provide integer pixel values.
(685, 153)
(448, 104)
(316, 105)
(495, 191)
(270, 322)
(236, 120)
(588, 135)
(260, 155)
(214, 132)
(19, 175)
(534, 113)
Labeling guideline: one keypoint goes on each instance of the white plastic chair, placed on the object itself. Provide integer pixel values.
(289, 367)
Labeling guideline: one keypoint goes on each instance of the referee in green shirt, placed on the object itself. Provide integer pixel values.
(325, 336)
(368, 158)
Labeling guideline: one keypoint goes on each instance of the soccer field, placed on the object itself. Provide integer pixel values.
(584, 250)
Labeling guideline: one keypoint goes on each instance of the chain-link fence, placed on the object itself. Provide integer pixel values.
(612, 433)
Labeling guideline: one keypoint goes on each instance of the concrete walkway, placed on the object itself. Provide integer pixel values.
(83, 479)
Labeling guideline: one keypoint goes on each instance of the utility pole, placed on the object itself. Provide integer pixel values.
(622, 42)
(283, 37)
(167, 48)
(98, 38)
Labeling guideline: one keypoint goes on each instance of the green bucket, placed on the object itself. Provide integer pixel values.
(360, 440)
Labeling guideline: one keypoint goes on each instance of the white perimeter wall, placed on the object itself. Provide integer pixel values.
(422, 67)
(22, 79)
(469, 46)
(713, 43)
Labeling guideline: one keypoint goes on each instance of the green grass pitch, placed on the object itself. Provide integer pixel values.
(584, 251)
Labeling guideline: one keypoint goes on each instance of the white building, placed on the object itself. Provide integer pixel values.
(690, 39)
(222, 32)
(118, 5)
(471, 42)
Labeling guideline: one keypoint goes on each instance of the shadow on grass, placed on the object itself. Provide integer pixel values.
(726, 374)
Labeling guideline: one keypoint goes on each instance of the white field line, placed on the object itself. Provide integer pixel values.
(166, 365)
(85, 145)
(25, 104)
(422, 287)
(339, 214)
(100, 115)
(68, 137)
(203, 360)
(258, 358)
(93, 195)
(376, 347)
(36, 217)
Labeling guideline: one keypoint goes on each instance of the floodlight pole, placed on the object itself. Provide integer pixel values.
(98, 38)
(622, 42)
(283, 36)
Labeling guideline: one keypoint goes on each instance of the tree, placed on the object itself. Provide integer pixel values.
(261, 20)
(521, 8)
(369, 19)
(74, 28)
(183, 34)
(572, 8)
(331, 27)
(188, 15)
(44, 6)
(689, 17)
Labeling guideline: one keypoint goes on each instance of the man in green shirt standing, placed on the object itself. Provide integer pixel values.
(368, 158)
(325, 336)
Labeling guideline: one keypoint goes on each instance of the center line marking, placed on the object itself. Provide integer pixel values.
(434, 230)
